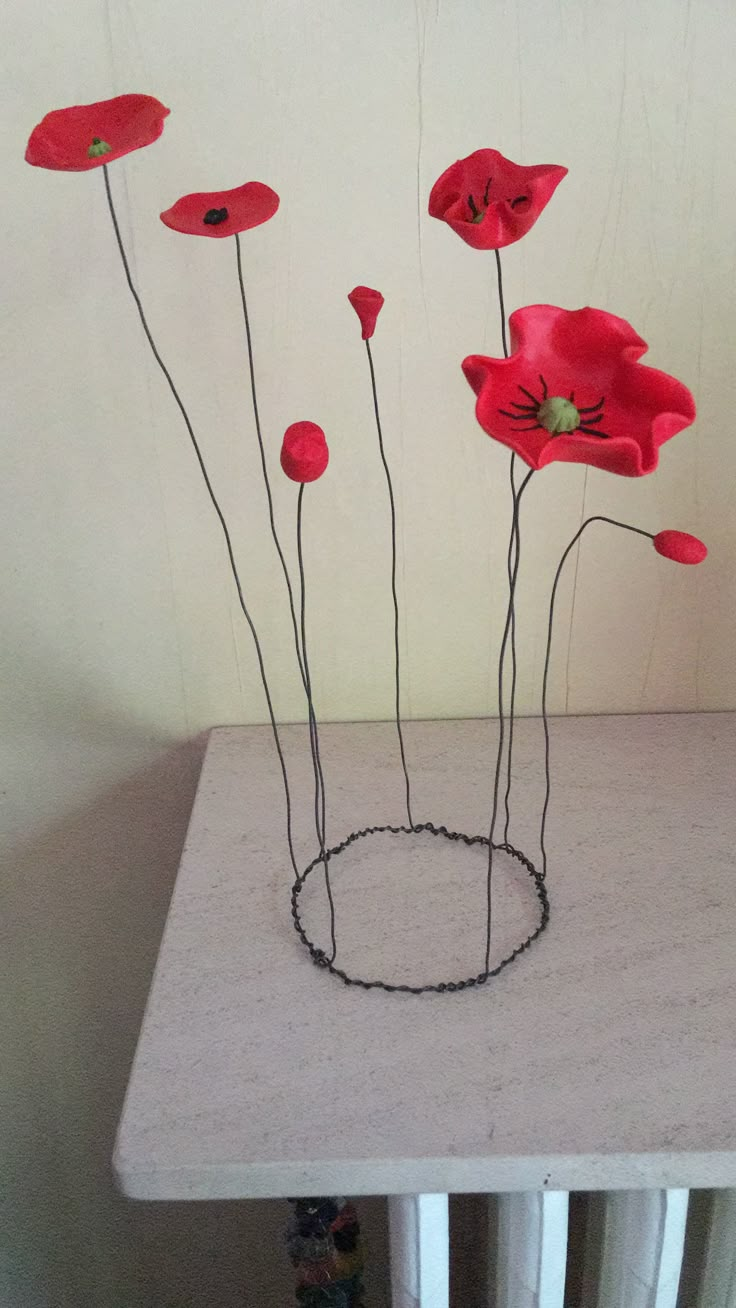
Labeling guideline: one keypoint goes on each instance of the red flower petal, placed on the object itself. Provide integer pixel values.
(304, 452)
(592, 356)
(63, 138)
(222, 213)
(680, 546)
(491, 202)
(367, 305)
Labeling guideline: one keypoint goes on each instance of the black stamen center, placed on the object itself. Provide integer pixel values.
(214, 217)
(551, 414)
(520, 199)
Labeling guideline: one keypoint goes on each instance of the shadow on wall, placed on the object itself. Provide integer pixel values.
(88, 902)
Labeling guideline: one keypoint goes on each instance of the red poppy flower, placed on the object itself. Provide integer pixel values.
(88, 135)
(222, 213)
(680, 546)
(367, 305)
(573, 390)
(490, 201)
(304, 452)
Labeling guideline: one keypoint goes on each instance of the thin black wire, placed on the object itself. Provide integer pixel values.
(513, 546)
(266, 479)
(626, 526)
(215, 505)
(264, 466)
(314, 736)
(514, 543)
(397, 665)
(319, 957)
(501, 722)
(501, 304)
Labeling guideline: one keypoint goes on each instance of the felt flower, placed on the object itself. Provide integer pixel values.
(367, 305)
(490, 201)
(573, 390)
(88, 135)
(680, 546)
(222, 213)
(304, 452)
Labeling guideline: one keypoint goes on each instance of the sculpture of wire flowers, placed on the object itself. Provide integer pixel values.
(568, 386)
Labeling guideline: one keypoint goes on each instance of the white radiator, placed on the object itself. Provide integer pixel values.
(634, 1259)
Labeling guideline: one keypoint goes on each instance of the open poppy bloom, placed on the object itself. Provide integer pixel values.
(573, 390)
(367, 305)
(680, 546)
(88, 135)
(490, 201)
(304, 452)
(222, 213)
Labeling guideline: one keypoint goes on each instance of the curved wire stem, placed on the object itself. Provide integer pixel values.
(513, 549)
(502, 307)
(397, 663)
(215, 504)
(613, 522)
(514, 543)
(501, 720)
(319, 795)
(267, 482)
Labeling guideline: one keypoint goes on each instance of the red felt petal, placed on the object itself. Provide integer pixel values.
(594, 356)
(509, 196)
(304, 452)
(367, 304)
(62, 139)
(680, 546)
(247, 206)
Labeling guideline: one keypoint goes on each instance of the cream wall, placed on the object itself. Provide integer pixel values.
(121, 636)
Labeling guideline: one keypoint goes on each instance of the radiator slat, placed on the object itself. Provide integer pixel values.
(532, 1250)
(420, 1250)
(642, 1248)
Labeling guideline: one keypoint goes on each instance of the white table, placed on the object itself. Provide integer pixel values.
(603, 1058)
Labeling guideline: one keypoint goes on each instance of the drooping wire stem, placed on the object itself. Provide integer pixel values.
(513, 549)
(320, 803)
(215, 504)
(266, 479)
(397, 662)
(625, 526)
(501, 718)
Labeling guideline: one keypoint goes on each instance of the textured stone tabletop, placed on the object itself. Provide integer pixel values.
(602, 1058)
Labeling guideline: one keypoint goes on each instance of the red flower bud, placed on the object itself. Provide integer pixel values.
(304, 452)
(680, 546)
(367, 305)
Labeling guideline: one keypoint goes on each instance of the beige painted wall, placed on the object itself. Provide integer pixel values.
(121, 637)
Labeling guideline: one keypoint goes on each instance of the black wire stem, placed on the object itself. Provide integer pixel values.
(501, 720)
(397, 664)
(266, 479)
(513, 547)
(626, 526)
(215, 505)
(501, 304)
(314, 735)
(514, 544)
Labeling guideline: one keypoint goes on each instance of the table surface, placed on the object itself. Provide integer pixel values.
(602, 1058)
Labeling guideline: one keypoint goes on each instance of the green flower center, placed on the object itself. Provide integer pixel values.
(97, 148)
(556, 415)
